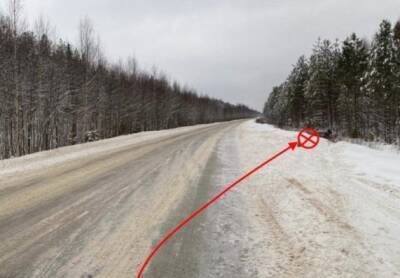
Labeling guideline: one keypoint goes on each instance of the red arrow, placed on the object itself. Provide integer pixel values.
(292, 146)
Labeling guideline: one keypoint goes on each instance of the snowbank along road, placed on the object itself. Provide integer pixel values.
(96, 210)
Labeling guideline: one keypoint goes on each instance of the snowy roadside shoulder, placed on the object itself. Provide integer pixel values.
(372, 189)
(329, 212)
(41, 160)
(381, 165)
(378, 162)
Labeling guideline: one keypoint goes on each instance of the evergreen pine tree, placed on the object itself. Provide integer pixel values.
(380, 79)
(322, 92)
(297, 82)
(396, 38)
(352, 66)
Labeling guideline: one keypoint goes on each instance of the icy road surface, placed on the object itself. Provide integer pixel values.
(96, 210)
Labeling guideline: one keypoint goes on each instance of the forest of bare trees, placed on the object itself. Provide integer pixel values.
(53, 94)
(352, 88)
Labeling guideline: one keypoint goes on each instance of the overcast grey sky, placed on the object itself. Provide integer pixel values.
(231, 49)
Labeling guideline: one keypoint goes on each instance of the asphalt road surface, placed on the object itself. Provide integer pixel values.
(95, 216)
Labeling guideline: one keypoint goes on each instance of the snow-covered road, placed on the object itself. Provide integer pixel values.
(97, 209)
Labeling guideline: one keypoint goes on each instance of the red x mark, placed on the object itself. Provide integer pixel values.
(310, 135)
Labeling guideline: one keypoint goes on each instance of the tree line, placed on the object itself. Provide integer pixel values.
(53, 94)
(352, 87)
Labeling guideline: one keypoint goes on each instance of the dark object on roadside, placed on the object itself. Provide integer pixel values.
(328, 134)
(261, 120)
(91, 136)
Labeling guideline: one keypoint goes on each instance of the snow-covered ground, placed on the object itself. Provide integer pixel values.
(382, 166)
(99, 208)
(333, 211)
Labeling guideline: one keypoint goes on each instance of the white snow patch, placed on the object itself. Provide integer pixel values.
(377, 165)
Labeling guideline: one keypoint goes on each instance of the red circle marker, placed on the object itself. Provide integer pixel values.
(308, 138)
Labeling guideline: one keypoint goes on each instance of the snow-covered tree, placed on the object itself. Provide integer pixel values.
(322, 88)
(396, 38)
(296, 84)
(353, 88)
(380, 78)
(352, 66)
(276, 107)
(52, 94)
